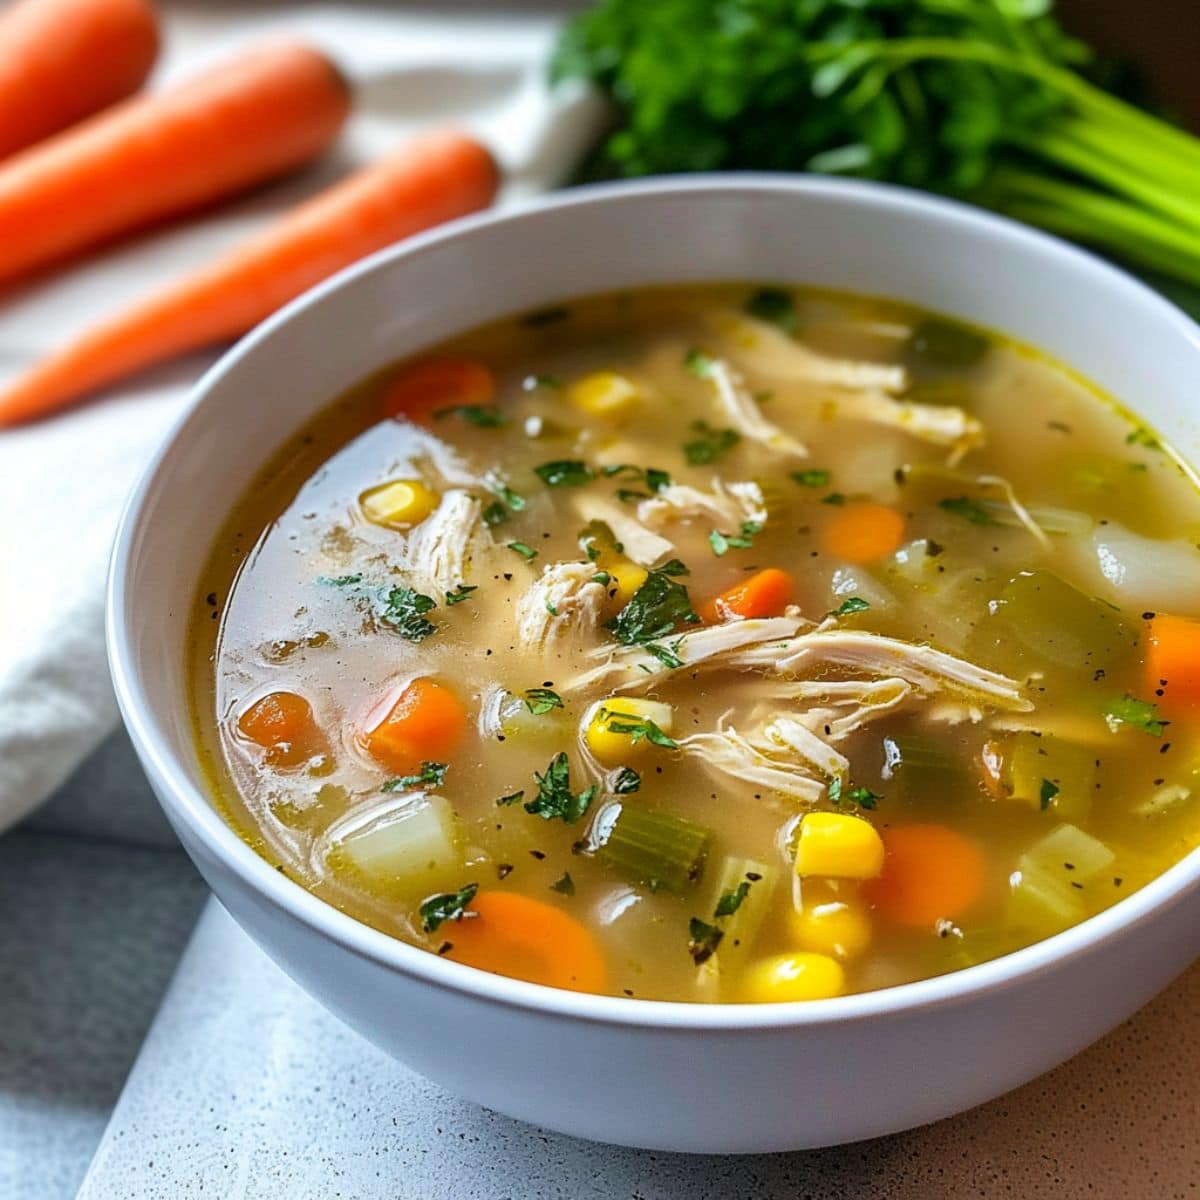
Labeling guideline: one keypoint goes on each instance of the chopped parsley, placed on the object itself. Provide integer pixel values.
(626, 781)
(814, 477)
(564, 472)
(555, 800)
(531, 383)
(514, 500)
(721, 543)
(541, 700)
(703, 940)
(528, 553)
(636, 728)
(431, 775)
(665, 654)
(654, 610)
(852, 604)
(564, 885)
(404, 609)
(461, 593)
(510, 799)
(776, 306)
(968, 509)
(654, 478)
(494, 513)
(450, 906)
(710, 445)
(1141, 436)
(837, 499)
(1137, 714)
(698, 363)
(602, 577)
(1048, 791)
(485, 416)
(730, 902)
(863, 797)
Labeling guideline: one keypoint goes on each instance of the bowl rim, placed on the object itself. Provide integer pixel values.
(189, 807)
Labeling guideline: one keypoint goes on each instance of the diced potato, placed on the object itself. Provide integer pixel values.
(410, 849)
(614, 746)
(838, 846)
(605, 394)
(398, 504)
(785, 977)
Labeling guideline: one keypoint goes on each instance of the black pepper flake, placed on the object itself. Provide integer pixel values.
(1164, 747)
(211, 599)
(1117, 881)
(1148, 616)
(445, 948)
(508, 577)
(538, 854)
(627, 991)
(545, 316)
(503, 870)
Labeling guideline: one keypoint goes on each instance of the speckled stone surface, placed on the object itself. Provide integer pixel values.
(246, 1088)
(89, 936)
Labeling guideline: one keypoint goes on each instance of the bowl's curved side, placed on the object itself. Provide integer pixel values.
(668, 1075)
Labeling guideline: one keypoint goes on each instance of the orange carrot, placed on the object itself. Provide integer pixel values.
(245, 121)
(765, 594)
(863, 532)
(283, 724)
(1173, 662)
(419, 390)
(432, 179)
(929, 872)
(522, 938)
(63, 60)
(426, 721)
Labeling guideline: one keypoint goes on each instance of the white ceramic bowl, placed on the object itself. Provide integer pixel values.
(645, 1073)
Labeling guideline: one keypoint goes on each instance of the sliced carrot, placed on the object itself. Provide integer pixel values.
(63, 60)
(863, 532)
(426, 722)
(283, 724)
(419, 390)
(930, 872)
(527, 939)
(1173, 662)
(242, 122)
(765, 594)
(431, 179)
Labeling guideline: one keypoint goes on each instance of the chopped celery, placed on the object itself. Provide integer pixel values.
(654, 847)
(1042, 619)
(741, 901)
(1048, 886)
(410, 848)
(1046, 772)
(923, 767)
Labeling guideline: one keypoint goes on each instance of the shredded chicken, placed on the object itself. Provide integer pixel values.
(766, 349)
(849, 703)
(727, 506)
(941, 424)
(436, 556)
(725, 752)
(563, 604)
(745, 415)
(786, 733)
(642, 545)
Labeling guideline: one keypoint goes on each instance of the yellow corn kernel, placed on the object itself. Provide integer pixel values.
(627, 577)
(838, 846)
(398, 504)
(839, 928)
(615, 746)
(793, 977)
(604, 394)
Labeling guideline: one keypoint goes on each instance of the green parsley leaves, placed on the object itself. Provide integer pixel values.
(852, 604)
(484, 416)
(541, 700)
(1046, 794)
(555, 800)
(776, 306)
(703, 940)
(710, 444)
(404, 609)
(1137, 714)
(626, 781)
(450, 906)
(698, 363)
(655, 609)
(431, 776)
(460, 593)
(968, 509)
(564, 472)
(730, 902)
(635, 728)
(721, 543)
(814, 477)
(863, 797)
(528, 553)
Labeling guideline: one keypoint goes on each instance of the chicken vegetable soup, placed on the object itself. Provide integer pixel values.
(728, 644)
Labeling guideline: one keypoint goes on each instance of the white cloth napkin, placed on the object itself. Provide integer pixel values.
(63, 482)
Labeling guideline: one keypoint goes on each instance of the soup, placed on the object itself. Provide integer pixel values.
(727, 644)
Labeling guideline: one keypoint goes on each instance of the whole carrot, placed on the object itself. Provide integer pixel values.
(431, 179)
(239, 123)
(63, 60)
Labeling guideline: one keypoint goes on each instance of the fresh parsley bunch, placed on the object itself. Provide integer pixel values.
(987, 100)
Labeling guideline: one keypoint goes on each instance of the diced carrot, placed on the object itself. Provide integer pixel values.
(426, 722)
(419, 390)
(283, 724)
(527, 939)
(765, 594)
(1173, 662)
(929, 872)
(863, 532)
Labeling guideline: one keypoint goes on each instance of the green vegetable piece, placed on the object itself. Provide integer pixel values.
(1137, 714)
(1041, 619)
(460, 593)
(703, 940)
(654, 847)
(776, 306)
(946, 344)
(555, 800)
(446, 907)
(565, 472)
(542, 700)
(1047, 772)
(654, 610)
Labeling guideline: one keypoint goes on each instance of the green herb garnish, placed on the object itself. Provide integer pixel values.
(555, 799)
(814, 477)
(776, 306)
(431, 776)
(495, 513)
(404, 610)
(1048, 791)
(528, 553)
(531, 383)
(564, 885)
(665, 654)
(1137, 714)
(514, 500)
(852, 604)
(730, 902)
(968, 509)
(485, 416)
(837, 499)
(542, 700)
(626, 781)
(655, 609)
(703, 940)
(636, 729)
(710, 445)
(1142, 437)
(698, 363)
(564, 472)
(461, 593)
(723, 542)
(510, 799)
(450, 906)
(863, 797)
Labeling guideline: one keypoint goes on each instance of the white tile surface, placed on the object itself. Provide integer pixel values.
(246, 1089)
